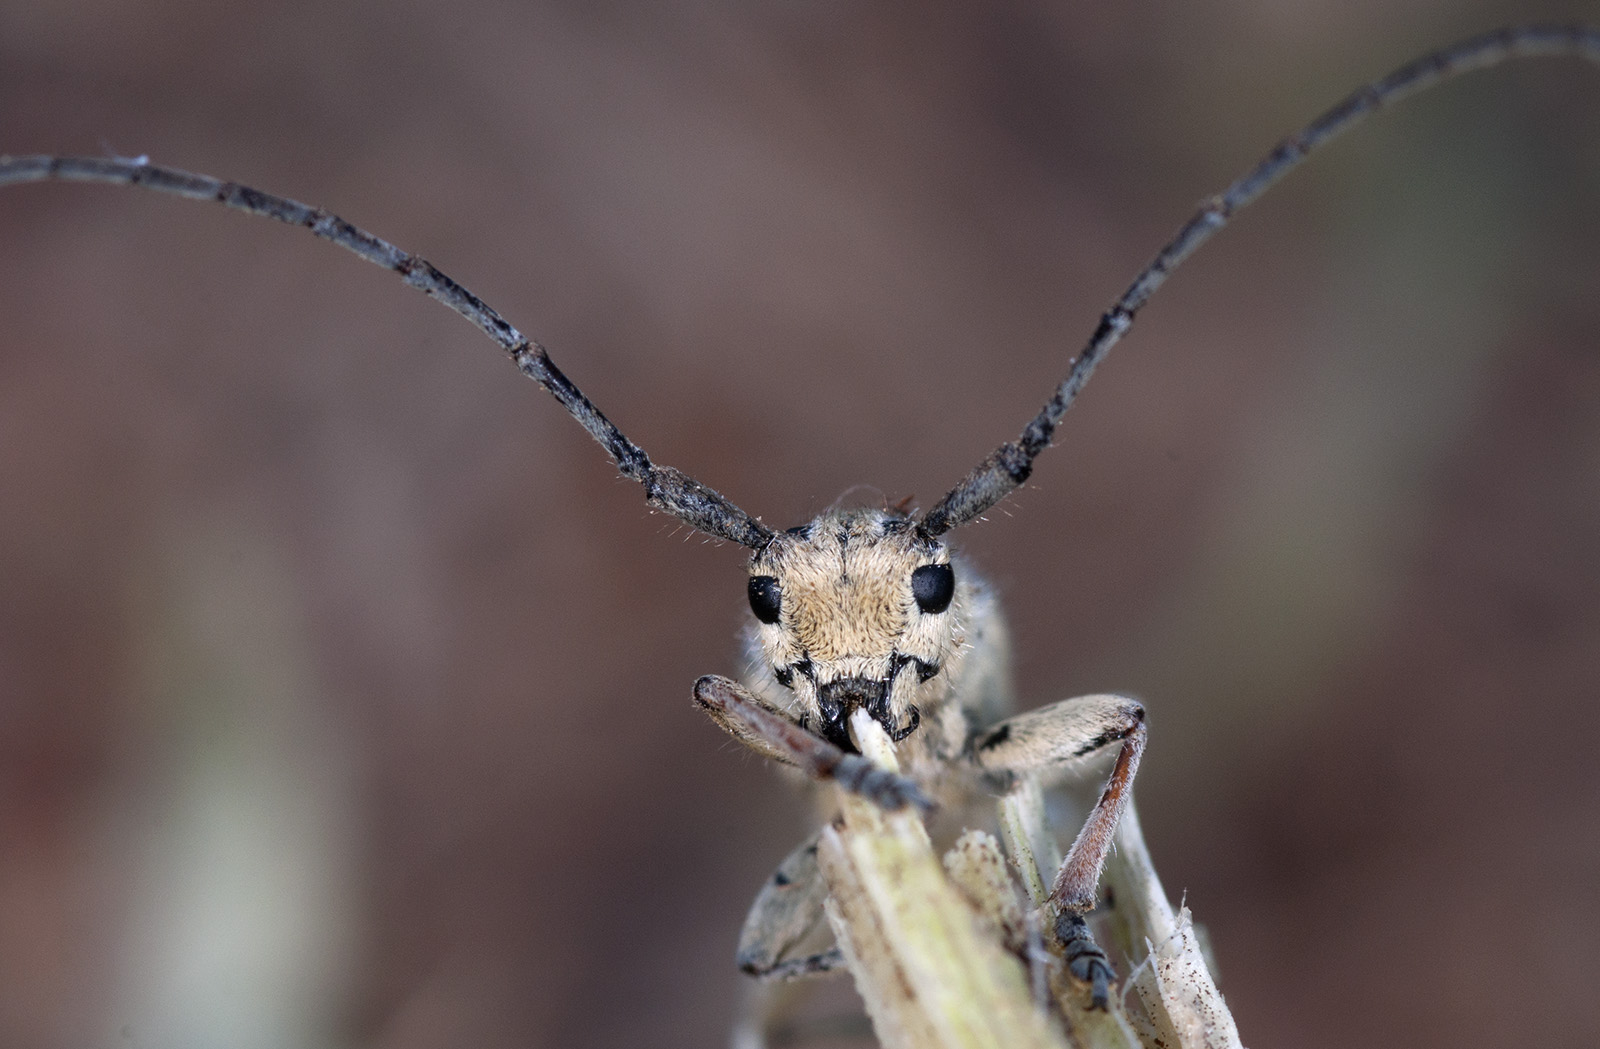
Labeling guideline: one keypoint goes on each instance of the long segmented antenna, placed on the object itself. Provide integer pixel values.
(665, 488)
(1010, 464)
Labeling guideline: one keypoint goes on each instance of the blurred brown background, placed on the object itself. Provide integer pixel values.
(344, 686)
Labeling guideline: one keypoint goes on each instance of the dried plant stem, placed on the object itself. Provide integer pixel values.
(1037, 857)
(929, 974)
(934, 975)
(1176, 988)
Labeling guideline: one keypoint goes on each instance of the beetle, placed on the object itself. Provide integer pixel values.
(892, 681)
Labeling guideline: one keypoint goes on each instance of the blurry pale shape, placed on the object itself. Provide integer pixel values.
(239, 935)
(1302, 564)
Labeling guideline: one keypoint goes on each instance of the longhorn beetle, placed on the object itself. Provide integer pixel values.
(870, 610)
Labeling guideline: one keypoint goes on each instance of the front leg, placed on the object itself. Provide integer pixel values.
(761, 728)
(1055, 739)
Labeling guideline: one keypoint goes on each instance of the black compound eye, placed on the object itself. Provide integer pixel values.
(933, 586)
(765, 598)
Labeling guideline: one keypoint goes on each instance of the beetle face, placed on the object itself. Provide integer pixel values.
(857, 610)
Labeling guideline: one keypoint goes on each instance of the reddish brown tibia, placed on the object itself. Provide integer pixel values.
(1074, 890)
